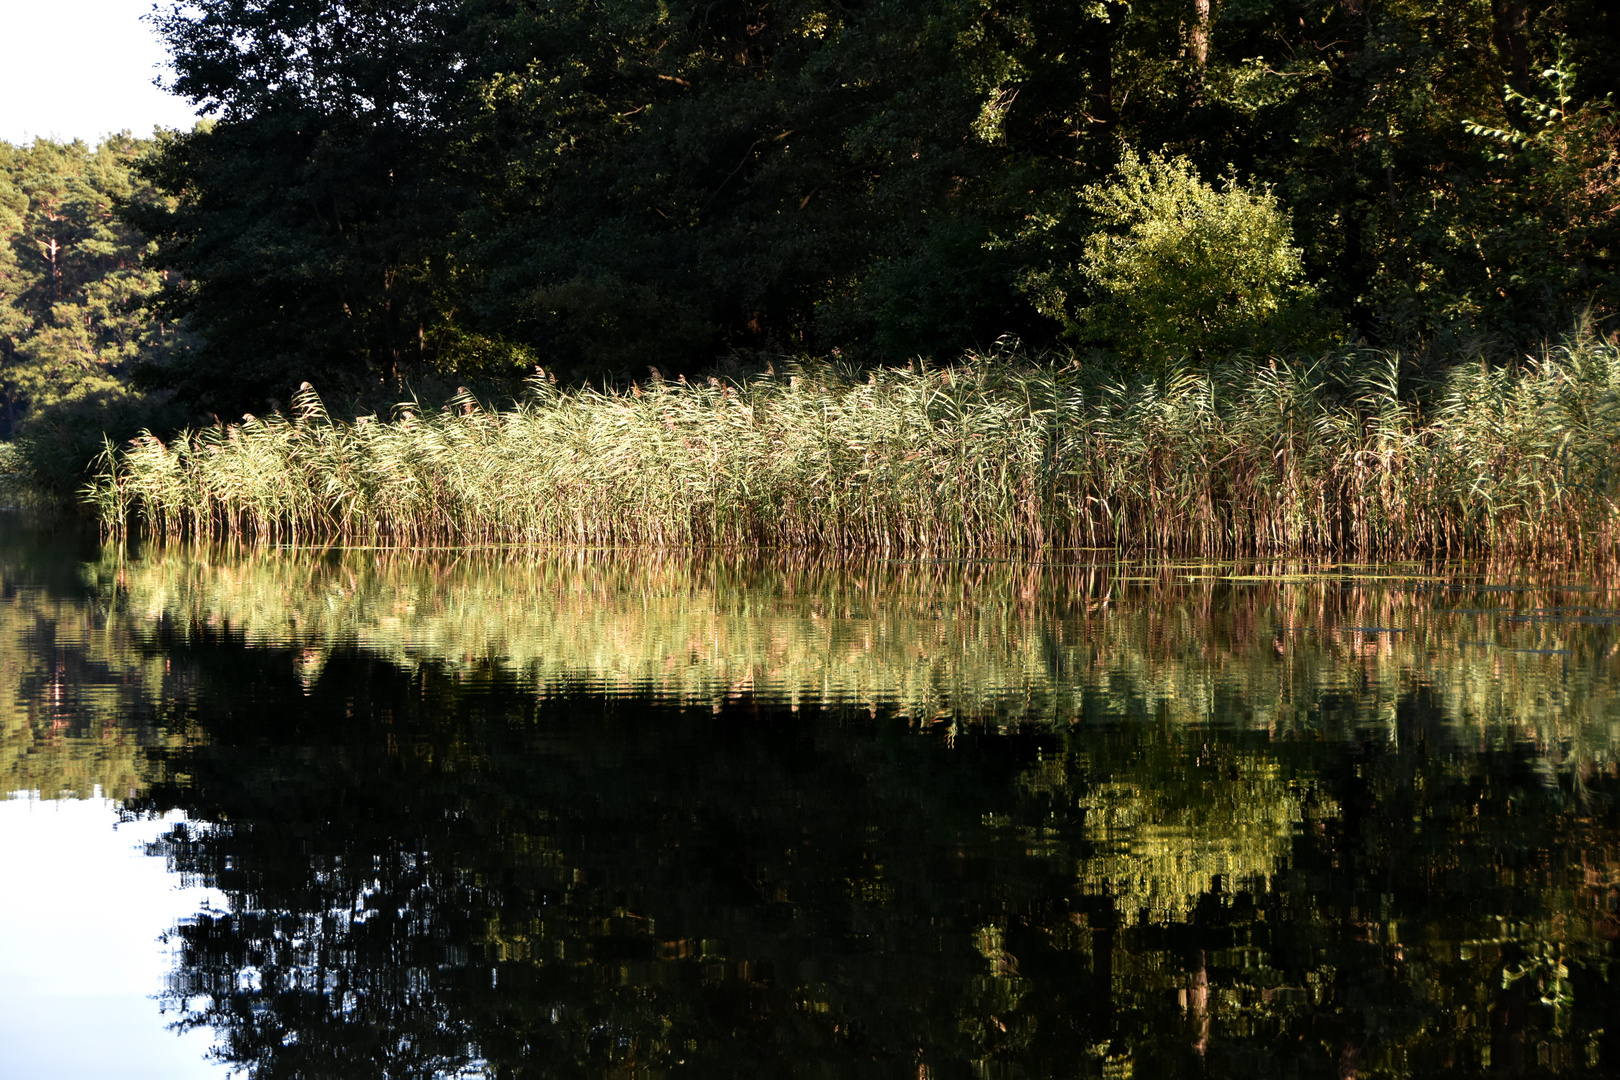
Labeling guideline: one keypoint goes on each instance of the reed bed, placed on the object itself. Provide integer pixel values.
(1346, 454)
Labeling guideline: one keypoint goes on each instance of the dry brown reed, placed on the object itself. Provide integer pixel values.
(1340, 454)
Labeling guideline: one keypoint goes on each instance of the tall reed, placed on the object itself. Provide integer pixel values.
(995, 454)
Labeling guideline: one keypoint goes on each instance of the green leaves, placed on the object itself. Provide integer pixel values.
(74, 292)
(403, 187)
(1178, 268)
(1552, 225)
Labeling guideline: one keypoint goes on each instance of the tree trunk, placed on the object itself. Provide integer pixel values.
(51, 251)
(1198, 37)
(1198, 50)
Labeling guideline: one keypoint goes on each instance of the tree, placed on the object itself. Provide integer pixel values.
(75, 293)
(309, 219)
(1553, 223)
(395, 187)
(1180, 268)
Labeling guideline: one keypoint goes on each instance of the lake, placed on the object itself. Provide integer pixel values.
(360, 813)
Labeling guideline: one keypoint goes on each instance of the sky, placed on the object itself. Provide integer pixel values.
(82, 69)
(82, 960)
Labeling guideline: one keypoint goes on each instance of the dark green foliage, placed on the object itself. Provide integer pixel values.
(58, 450)
(400, 186)
(312, 215)
(76, 314)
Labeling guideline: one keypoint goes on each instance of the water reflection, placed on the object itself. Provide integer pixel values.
(83, 914)
(494, 814)
(960, 641)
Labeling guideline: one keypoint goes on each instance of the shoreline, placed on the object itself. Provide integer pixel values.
(1335, 456)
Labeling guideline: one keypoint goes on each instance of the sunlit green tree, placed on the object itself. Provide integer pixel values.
(74, 290)
(1178, 267)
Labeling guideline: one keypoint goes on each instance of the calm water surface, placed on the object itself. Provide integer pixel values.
(593, 815)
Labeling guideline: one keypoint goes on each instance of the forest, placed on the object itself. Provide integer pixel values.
(396, 197)
(76, 292)
(945, 538)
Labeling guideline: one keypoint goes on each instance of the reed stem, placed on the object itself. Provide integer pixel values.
(1341, 455)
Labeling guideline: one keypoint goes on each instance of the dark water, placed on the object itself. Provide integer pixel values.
(594, 816)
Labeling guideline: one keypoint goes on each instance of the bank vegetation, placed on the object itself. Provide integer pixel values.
(1356, 453)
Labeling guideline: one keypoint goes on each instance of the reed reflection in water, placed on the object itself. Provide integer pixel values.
(962, 641)
(589, 814)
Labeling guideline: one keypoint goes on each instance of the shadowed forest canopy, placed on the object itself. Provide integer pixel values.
(395, 187)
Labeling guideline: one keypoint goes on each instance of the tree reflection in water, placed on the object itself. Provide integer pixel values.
(1229, 832)
(428, 879)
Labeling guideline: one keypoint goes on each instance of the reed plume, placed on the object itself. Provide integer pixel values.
(1342, 454)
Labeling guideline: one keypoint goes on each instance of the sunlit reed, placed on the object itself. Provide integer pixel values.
(1341, 454)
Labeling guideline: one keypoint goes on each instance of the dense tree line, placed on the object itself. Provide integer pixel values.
(385, 189)
(395, 186)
